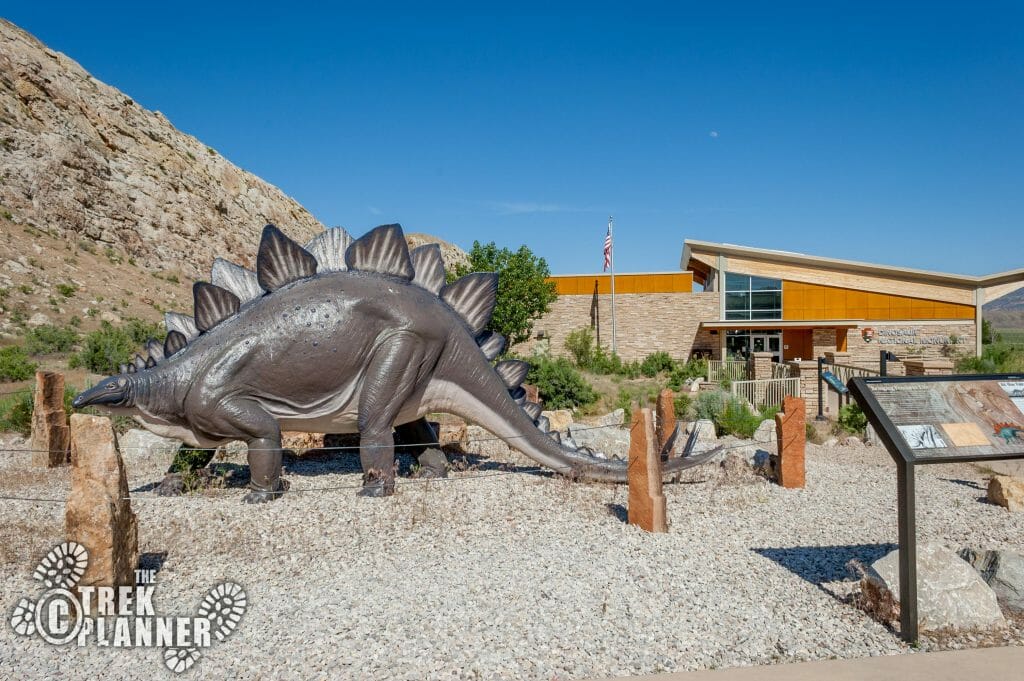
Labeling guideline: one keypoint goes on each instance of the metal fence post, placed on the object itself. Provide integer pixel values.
(821, 407)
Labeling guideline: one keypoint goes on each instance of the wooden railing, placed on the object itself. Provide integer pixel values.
(768, 392)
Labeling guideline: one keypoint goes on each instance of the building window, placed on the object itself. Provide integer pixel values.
(750, 297)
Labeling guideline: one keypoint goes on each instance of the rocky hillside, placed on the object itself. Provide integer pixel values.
(82, 160)
(106, 210)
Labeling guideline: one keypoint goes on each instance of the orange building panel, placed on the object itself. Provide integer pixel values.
(585, 284)
(802, 301)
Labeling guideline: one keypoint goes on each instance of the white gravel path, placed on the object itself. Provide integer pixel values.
(506, 575)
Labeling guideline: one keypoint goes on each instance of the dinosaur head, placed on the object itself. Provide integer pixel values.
(115, 392)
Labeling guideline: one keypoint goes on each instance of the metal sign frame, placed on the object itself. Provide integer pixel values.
(906, 460)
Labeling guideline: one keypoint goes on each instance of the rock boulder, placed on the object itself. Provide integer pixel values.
(560, 419)
(1004, 572)
(951, 594)
(1007, 491)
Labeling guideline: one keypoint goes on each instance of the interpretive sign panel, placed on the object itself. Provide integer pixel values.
(949, 417)
(938, 419)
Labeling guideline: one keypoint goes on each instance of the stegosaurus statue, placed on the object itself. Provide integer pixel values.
(338, 336)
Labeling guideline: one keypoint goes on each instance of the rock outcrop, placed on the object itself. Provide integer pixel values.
(83, 160)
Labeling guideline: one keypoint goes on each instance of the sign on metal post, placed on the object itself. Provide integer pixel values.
(834, 382)
(938, 419)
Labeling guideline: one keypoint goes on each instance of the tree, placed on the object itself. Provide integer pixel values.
(524, 293)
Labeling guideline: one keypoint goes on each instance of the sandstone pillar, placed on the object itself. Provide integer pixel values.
(790, 428)
(646, 502)
(99, 514)
(50, 433)
(762, 362)
(666, 417)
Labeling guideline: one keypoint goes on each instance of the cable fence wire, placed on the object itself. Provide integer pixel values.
(434, 443)
(403, 482)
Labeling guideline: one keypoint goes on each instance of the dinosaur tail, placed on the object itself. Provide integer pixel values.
(492, 398)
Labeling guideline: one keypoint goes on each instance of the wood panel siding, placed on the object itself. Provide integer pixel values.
(890, 285)
(658, 282)
(804, 301)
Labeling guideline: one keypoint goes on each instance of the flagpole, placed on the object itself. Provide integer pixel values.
(611, 263)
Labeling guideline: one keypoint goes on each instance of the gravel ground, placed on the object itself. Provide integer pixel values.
(496, 574)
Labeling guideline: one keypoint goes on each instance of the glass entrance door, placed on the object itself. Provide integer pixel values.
(764, 342)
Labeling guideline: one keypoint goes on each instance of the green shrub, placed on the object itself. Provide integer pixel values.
(709, 405)
(852, 419)
(655, 363)
(737, 419)
(104, 349)
(48, 338)
(730, 414)
(559, 383)
(16, 413)
(681, 373)
(187, 460)
(66, 290)
(587, 354)
(141, 331)
(15, 364)
(997, 358)
(580, 344)
(682, 405)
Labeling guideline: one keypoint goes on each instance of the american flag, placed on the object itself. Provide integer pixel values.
(608, 248)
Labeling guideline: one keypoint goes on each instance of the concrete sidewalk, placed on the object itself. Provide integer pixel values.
(957, 665)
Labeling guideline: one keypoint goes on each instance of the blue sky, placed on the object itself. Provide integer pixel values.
(886, 132)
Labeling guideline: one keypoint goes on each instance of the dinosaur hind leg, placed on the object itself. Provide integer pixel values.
(390, 380)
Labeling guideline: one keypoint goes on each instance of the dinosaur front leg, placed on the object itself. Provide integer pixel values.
(265, 483)
(390, 380)
(245, 419)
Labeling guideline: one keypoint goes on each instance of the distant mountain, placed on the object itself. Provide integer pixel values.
(1006, 312)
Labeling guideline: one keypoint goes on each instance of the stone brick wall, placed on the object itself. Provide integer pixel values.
(910, 340)
(645, 323)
